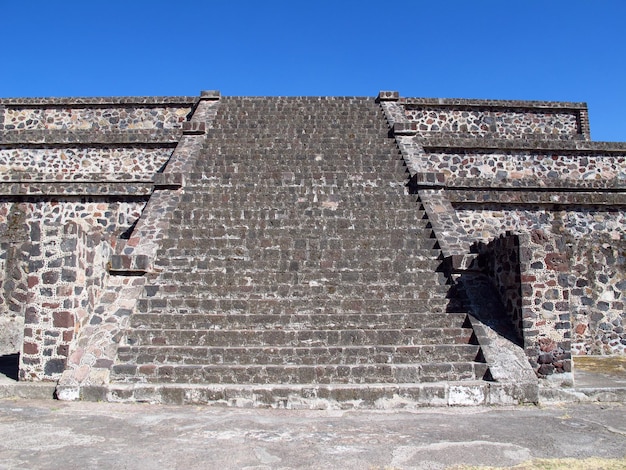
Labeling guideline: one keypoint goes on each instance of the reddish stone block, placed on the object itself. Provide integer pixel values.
(63, 319)
(31, 348)
(547, 345)
(539, 237)
(557, 262)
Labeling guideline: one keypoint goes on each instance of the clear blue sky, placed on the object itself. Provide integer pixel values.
(562, 50)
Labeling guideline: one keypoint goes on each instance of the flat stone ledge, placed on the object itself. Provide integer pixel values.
(28, 390)
(287, 396)
(210, 95)
(523, 184)
(388, 96)
(135, 265)
(168, 180)
(552, 395)
(404, 128)
(508, 104)
(549, 197)
(148, 101)
(194, 128)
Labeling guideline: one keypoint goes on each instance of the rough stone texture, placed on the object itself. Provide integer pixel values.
(72, 162)
(530, 170)
(305, 243)
(96, 115)
(70, 246)
(506, 123)
(90, 163)
(95, 349)
(506, 119)
(515, 165)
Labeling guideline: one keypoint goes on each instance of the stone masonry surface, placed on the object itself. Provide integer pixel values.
(67, 162)
(533, 187)
(307, 252)
(505, 123)
(95, 115)
(73, 156)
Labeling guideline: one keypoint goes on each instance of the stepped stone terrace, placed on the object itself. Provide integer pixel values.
(308, 252)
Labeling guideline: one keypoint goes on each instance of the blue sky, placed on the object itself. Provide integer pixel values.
(561, 50)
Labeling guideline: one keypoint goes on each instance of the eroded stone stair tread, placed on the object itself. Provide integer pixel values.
(321, 373)
(297, 256)
(295, 321)
(304, 355)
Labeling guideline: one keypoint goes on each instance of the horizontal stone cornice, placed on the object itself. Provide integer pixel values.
(505, 104)
(534, 145)
(114, 101)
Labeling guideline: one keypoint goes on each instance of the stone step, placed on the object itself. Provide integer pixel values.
(412, 251)
(272, 303)
(295, 233)
(288, 356)
(215, 267)
(303, 278)
(318, 374)
(224, 259)
(316, 233)
(381, 298)
(293, 202)
(298, 338)
(308, 224)
(296, 321)
(393, 189)
(281, 249)
(320, 396)
(244, 287)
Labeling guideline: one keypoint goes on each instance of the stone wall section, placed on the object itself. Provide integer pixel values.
(81, 172)
(506, 123)
(95, 347)
(501, 119)
(518, 164)
(598, 295)
(76, 162)
(532, 274)
(517, 190)
(70, 245)
(95, 114)
(14, 244)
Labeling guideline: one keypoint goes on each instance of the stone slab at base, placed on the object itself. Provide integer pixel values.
(29, 390)
(549, 395)
(407, 396)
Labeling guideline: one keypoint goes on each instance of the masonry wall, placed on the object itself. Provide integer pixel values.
(521, 184)
(75, 175)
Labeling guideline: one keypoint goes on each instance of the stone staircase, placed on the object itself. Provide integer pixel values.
(298, 271)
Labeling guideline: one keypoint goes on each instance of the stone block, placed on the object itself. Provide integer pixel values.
(405, 128)
(388, 96)
(194, 128)
(210, 95)
(168, 180)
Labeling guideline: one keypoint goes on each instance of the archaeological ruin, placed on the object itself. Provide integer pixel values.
(308, 252)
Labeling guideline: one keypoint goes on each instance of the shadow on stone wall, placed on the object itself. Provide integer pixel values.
(482, 300)
(9, 366)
